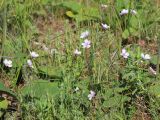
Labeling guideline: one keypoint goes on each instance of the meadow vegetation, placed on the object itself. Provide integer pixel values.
(79, 59)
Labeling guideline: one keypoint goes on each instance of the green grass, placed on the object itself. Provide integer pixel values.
(125, 88)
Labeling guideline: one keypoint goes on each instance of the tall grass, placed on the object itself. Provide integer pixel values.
(4, 26)
(48, 90)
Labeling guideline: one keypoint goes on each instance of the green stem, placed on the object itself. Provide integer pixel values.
(90, 66)
(4, 26)
(158, 58)
(129, 16)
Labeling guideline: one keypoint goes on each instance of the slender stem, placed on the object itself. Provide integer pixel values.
(158, 57)
(90, 66)
(129, 16)
(4, 26)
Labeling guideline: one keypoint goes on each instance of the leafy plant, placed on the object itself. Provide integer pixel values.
(80, 12)
(41, 89)
(3, 106)
(4, 102)
(5, 90)
(50, 72)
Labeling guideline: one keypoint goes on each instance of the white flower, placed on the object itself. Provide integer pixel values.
(34, 54)
(77, 52)
(86, 43)
(124, 12)
(76, 89)
(84, 34)
(29, 62)
(124, 53)
(104, 6)
(7, 63)
(145, 56)
(105, 26)
(91, 95)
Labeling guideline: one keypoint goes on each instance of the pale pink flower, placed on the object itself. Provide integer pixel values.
(34, 54)
(126, 11)
(84, 34)
(86, 43)
(124, 53)
(91, 95)
(105, 26)
(30, 64)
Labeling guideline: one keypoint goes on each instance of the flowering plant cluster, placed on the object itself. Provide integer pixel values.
(9, 64)
(96, 79)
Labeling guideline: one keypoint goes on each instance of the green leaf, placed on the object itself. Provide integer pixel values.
(120, 4)
(154, 59)
(70, 14)
(50, 72)
(41, 89)
(129, 75)
(87, 14)
(133, 31)
(134, 22)
(9, 47)
(6, 90)
(91, 12)
(119, 117)
(120, 89)
(125, 34)
(112, 101)
(72, 5)
(155, 90)
(82, 13)
(108, 93)
(4, 104)
(115, 101)
(81, 18)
